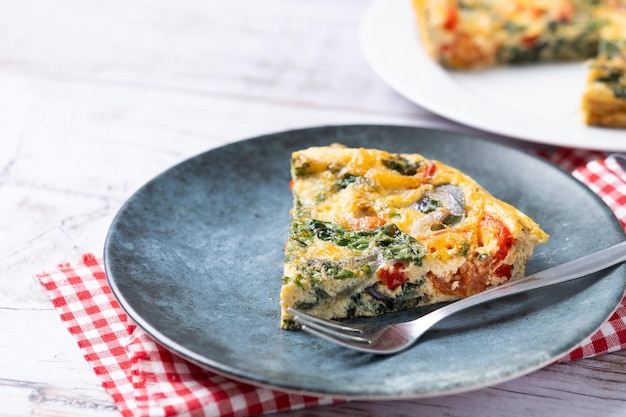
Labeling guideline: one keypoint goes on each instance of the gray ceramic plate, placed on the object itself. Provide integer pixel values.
(195, 258)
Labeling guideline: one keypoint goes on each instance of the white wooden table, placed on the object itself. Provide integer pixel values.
(97, 97)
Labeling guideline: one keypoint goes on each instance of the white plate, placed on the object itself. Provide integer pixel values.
(537, 103)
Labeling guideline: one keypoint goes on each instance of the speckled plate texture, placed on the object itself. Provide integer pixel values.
(195, 259)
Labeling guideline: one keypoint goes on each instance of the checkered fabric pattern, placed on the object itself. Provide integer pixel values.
(607, 179)
(146, 379)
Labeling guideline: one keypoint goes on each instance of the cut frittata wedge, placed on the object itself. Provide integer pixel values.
(374, 232)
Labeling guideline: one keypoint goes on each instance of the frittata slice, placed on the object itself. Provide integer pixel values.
(375, 232)
(604, 100)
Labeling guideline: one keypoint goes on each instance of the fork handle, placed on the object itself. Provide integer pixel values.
(568, 271)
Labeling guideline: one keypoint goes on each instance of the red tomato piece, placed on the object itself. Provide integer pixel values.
(452, 18)
(430, 169)
(394, 276)
(530, 40)
(504, 236)
(503, 270)
(566, 11)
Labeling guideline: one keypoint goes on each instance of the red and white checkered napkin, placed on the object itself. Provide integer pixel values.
(145, 379)
(607, 179)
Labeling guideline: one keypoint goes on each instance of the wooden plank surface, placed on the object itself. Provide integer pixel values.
(97, 97)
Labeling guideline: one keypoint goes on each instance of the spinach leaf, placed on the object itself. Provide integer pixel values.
(301, 169)
(402, 165)
(394, 244)
(346, 180)
(427, 204)
(619, 91)
(610, 49)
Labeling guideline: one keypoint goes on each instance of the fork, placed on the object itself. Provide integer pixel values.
(394, 338)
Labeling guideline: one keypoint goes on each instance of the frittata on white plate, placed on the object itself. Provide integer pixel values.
(471, 34)
(374, 232)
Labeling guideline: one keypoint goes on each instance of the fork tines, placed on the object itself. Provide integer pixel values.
(328, 329)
